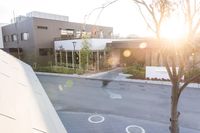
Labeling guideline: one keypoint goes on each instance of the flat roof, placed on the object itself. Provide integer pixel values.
(51, 16)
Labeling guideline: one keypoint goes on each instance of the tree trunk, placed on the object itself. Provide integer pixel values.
(174, 128)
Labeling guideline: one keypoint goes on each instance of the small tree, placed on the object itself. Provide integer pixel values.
(85, 53)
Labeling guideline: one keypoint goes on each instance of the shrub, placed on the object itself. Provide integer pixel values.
(55, 69)
(192, 73)
(137, 70)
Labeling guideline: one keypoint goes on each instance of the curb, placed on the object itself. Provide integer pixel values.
(92, 77)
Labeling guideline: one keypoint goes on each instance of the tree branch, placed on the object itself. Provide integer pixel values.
(167, 67)
(181, 67)
(148, 25)
(174, 74)
(187, 82)
(101, 7)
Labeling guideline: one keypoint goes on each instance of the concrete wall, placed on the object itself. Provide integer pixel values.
(28, 46)
(157, 72)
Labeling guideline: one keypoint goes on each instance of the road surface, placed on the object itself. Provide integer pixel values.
(120, 103)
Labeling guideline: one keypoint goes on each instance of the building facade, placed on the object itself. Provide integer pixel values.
(1, 36)
(31, 38)
(68, 53)
(109, 53)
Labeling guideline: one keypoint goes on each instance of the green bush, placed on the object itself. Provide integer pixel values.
(79, 71)
(137, 70)
(193, 73)
(55, 69)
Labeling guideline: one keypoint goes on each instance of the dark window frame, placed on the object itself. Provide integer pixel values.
(23, 36)
(42, 27)
(45, 51)
(13, 39)
(6, 38)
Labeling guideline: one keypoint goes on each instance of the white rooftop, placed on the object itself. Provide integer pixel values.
(24, 105)
(47, 16)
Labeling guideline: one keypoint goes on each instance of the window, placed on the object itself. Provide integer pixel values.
(42, 27)
(24, 36)
(45, 51)
(14, 37)
(67, 32)
(78, 34)
(88, 34)
(6, 38)
(101, 34)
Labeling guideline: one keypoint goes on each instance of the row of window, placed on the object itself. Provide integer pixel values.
(71, 32)
(78, 34)
(14, 37)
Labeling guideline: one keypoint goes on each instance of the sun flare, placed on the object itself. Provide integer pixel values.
(174, 29)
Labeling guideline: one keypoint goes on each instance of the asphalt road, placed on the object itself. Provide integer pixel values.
(121, 104)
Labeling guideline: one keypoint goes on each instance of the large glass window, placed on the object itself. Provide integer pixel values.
(14, 37)
(24, 36)
(67, 31)
(6, 38)
(78, 34)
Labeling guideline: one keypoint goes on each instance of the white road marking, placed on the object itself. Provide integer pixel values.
(134, 129)
(91, 119)
(113, 95)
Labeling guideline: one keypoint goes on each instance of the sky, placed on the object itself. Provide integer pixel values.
(123, 15)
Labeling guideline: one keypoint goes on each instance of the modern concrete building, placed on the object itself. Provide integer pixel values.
(31, 37)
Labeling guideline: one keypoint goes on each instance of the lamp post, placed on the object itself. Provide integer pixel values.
(73, 53)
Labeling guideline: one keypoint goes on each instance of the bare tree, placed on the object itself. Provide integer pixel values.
(176, 55)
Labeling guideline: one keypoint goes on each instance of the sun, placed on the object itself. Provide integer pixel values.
(173, 29)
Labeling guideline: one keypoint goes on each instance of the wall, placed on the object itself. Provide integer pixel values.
(157, 72)
(45, 38)
(1, 36)
(28, 46)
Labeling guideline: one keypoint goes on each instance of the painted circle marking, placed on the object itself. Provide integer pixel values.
(134, 129)
(96, 119)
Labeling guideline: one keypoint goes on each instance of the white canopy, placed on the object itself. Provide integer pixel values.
(95, 44)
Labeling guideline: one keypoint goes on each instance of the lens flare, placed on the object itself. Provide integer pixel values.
(127, 53)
